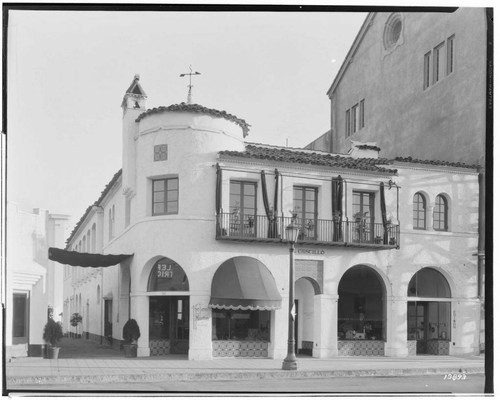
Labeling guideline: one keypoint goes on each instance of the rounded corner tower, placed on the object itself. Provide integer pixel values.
(179, 141)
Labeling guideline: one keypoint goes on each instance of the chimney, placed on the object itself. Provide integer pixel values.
(364, 150)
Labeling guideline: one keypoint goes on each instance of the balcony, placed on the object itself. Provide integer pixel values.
(321, 232)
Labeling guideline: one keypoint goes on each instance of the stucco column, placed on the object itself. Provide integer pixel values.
(325, 326)
(397, 330)
(139, 304)
(465, 323)
(200, 337)
(279, 330)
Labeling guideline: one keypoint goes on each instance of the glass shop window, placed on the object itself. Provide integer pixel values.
(241, 325)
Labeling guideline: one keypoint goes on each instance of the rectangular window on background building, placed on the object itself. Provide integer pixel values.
(450, 53)
(348, 123)
(427, 66)
(362, 114)
(439, 62)
(354, 116)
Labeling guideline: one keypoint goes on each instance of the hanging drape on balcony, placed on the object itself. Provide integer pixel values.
(337, 185)
(272, 230)
(383, 211)
(244, 283)
(218, 196)
(77, 259)
(276, 182)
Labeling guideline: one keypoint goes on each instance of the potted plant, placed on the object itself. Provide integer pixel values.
(52, 333)
(131, 333)
(75, 320)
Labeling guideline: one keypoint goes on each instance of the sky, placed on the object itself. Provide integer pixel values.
(68, 72)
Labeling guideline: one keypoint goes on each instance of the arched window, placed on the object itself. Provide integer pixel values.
(92, 248)
(419, 207)
(111, 223)
(361, 305)
(166, 275)
(440, 215)
(429, 283)
(429, 312)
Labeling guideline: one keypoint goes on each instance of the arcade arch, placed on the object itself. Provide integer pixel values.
(429, 312)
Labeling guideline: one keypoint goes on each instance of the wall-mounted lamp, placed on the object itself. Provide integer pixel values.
(391, 184)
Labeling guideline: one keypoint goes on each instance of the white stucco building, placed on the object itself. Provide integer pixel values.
(33, 282)
(384, 263)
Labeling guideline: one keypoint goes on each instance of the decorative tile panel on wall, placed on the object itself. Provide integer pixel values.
(310, 269)
(412, 347)
(236, 348)
(159, 347)
(360, 347)
(438, 347)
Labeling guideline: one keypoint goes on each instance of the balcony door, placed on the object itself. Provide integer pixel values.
(364, 216)
(243, 206)
(305, 204)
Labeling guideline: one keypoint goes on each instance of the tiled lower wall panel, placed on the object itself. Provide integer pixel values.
(235, 348)
(159, 347)
(412, 347)
(438, 347)
(360, 347)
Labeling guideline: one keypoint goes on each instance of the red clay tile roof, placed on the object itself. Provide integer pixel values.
(312, 158)
(436, 162)
(96, 203)
(196, 108)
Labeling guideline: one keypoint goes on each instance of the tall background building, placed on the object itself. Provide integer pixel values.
(416, 84)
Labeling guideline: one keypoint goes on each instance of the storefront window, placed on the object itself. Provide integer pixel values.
(429, 320)
(240, 325)
(361, 306)
(167, 275)
(169, 318)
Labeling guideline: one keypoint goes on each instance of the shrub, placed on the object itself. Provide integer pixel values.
(131, 331)
(52, 332)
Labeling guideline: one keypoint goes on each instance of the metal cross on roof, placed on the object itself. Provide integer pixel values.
(191, 73)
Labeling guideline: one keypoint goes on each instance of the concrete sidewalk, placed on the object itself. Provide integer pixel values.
(89, 362)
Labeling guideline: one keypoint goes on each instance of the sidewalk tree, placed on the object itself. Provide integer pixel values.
(75, 320)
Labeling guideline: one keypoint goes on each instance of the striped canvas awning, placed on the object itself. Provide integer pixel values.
(244, 283)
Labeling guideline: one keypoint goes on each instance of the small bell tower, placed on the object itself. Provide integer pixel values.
(135, 96)
(133, 105)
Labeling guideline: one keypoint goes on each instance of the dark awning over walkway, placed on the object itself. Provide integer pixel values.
(77, 259)
(244, 283)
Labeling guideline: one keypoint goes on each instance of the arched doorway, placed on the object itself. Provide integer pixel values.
(361, 312)
(305, 290)
(168, 312)
(429, 313)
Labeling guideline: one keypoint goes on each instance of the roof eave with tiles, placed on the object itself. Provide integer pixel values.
(272, 153)
(196, 108)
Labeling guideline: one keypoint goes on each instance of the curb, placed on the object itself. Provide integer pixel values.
(235, 375)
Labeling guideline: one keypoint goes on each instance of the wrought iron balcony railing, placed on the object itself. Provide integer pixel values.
(258, 228)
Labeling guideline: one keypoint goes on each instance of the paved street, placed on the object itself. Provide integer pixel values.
(88, 366)
(403, 384)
